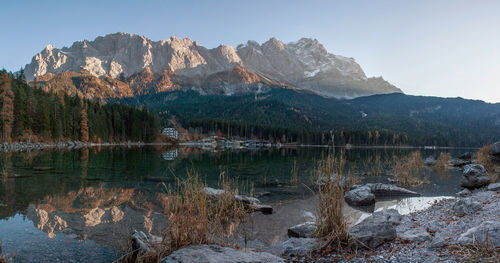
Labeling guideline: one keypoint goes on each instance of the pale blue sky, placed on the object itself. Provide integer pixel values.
(440, 48)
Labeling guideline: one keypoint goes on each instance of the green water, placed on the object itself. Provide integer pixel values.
(81, 205)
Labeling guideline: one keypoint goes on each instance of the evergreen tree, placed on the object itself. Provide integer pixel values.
(7, 107)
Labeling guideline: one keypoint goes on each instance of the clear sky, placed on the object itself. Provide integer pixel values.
(445, 48)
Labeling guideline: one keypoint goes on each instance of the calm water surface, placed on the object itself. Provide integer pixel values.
(81, 205)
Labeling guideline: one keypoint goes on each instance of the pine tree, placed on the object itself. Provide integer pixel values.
(7, 107)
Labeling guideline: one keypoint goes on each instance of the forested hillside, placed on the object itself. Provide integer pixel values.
(31, 114)
(289, 115)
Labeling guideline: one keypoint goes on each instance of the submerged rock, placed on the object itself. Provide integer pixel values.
(430, 161)
(465, 156)
(304, 230)
(458, 162)
(360, 196)
(474, 176)
(248, 201)
(377, 229)
(486, 233)
(214, 253)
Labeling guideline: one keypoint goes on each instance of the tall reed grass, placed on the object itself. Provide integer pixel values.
(194, 218)
(408, 170)
(330, 222)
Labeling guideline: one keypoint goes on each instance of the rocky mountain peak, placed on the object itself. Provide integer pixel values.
(305, 63)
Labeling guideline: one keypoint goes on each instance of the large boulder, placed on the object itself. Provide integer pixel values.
(495, 149)
(376, 229)
(218, 254)
(304, 230)
(487, 232)
(388, 190)
(474, 176)
(360, 196)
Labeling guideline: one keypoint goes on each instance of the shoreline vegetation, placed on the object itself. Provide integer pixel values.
(456, 229)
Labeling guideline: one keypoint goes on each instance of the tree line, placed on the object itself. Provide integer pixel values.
(280, 134)
(31, 114)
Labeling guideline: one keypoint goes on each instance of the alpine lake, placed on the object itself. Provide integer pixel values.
(82, 205)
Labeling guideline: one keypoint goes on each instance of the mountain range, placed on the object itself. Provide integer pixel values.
(295, 92)
(127, 65)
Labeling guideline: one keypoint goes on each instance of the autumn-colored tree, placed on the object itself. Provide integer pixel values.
(7, 107)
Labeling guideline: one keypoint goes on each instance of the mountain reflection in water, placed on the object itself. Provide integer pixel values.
(89, 200)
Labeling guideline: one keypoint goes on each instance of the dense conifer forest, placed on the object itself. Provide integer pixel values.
(30, 114)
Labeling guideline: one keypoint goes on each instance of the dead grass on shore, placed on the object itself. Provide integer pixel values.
(408, 170)
(194, 219)
(483, 158)
(476, 252)
(330, 221)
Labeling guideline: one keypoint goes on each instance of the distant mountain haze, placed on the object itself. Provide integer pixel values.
(125, 65)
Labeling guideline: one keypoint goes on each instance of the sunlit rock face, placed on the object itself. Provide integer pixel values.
(182, 62)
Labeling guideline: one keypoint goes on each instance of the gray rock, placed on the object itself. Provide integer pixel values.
(415, 234)
(304, 230)
(495, 149)
(430, 161)
(494, 187)
(486, 233)
(388, 190)
(458, 162)
(140, 242)
(474, 176)
(218, 254)
(464, 193)
(360, 196)
(438, 242)
(466, 206)
(376, 229)
(265, 209)
(296, 246)
(248, 201)
(467, 156)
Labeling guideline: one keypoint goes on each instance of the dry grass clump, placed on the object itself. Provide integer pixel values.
(442, 161)
(330, 222)
(194, 219)
(408, 170)
(483, 158)
(476, 252)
